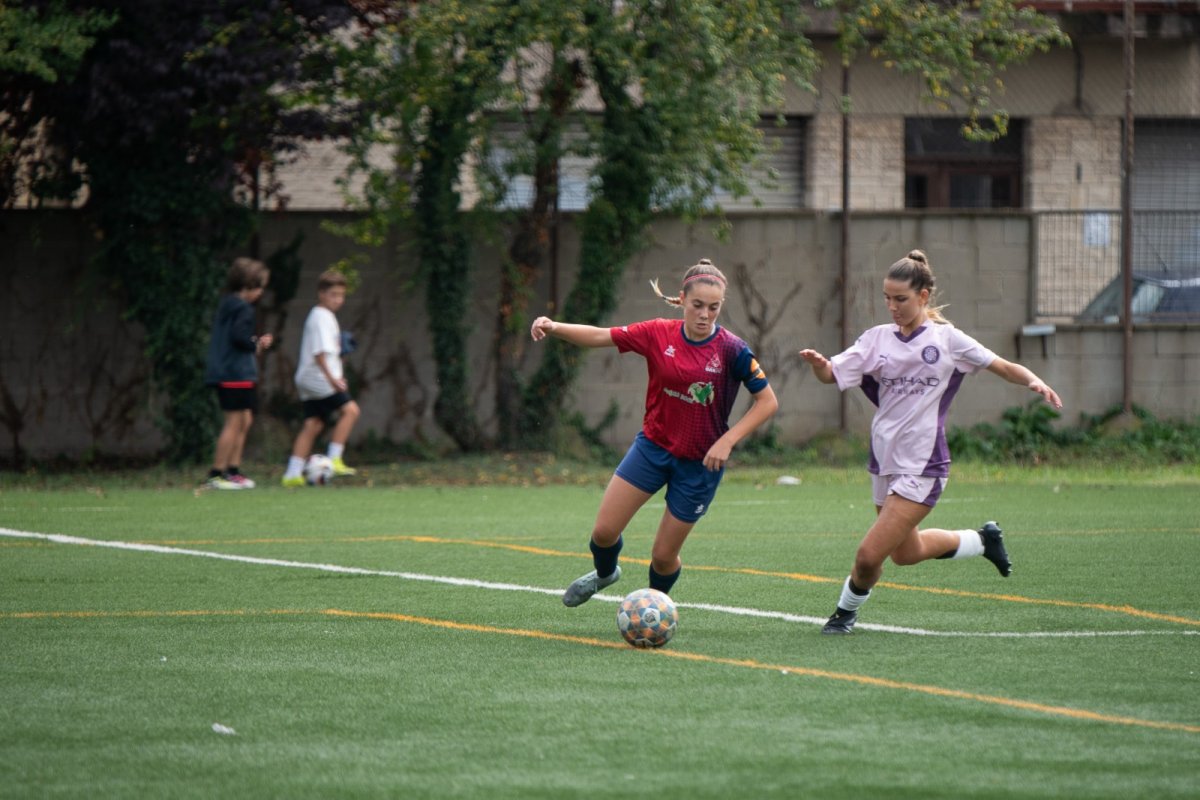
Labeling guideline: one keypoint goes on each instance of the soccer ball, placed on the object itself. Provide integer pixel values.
(318, 470)
(647, 618)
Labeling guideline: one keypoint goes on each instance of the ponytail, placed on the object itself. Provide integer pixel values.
(914, 270)
(702, 272)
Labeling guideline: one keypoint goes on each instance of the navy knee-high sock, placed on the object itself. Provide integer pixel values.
(663, 582)
(605, 558)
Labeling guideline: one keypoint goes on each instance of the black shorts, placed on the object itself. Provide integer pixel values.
(238, 398)
(324, 407)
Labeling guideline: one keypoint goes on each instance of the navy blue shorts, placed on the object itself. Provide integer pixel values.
(324, 407)
(690, 485)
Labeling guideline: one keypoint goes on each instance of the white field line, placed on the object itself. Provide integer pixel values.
(58, 538)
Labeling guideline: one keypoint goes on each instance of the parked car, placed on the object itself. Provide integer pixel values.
(1157, 297)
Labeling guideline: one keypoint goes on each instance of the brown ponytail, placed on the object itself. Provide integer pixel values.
(701, 272)
(914, 270)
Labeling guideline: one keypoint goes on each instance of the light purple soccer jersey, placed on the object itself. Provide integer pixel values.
(911, 379)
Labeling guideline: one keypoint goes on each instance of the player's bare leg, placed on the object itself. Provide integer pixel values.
(895, 527)
(665, 565)
(228, 451)
(350, 413)
(620, 502)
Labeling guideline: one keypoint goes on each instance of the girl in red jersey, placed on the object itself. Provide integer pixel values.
(695, 368)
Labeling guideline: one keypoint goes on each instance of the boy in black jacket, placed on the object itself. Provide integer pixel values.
(232, 369)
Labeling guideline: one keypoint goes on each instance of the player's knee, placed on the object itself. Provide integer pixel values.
(665, 567)
(867, 562)
(605, 537)
(664, 560)
(351, 410)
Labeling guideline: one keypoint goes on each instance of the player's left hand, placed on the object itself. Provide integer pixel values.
(717, 455)
(1041, 387)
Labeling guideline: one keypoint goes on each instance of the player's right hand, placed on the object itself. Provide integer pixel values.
(541, 327)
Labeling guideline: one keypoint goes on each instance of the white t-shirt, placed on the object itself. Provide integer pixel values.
(322, 334)
(911, 380)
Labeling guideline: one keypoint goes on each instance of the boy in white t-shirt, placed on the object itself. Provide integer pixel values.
(320, 382)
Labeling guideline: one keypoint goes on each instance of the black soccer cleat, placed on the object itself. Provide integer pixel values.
(993, 547)
(841, 622)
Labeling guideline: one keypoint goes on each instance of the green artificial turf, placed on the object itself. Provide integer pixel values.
(115, 664)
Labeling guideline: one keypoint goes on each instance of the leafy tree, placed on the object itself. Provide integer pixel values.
(39, 47)
(683, 88)
(423, 77)
(957, 48)
(679, 90)
(171, 106)
(545, 114)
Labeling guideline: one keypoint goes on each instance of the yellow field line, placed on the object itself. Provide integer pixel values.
(800, 576)
(863, 680)
(1126, 610)
(786, 669)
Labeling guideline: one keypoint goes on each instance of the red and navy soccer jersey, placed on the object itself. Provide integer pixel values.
(692, 385)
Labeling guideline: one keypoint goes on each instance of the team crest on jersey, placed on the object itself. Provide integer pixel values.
(714, 364)
(930, 355)
(670, 351)
(701, 393)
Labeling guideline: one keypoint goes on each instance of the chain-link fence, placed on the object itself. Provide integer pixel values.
(1079, 265)
(1078, 253)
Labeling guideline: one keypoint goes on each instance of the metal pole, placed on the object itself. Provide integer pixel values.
(844, 278)
(554, 226)
(1127, 216)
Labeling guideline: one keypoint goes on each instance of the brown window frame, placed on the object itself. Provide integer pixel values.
(929, 178)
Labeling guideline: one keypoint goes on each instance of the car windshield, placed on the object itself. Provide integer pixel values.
(1157, 297)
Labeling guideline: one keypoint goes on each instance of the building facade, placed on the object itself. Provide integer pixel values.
(1024, 232)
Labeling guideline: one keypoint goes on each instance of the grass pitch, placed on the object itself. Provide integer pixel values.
(408, 641)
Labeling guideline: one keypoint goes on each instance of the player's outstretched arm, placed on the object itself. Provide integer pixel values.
(1023, 376)
(821, 365)
(582, 335)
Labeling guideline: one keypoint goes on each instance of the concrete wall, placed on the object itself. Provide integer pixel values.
(72, 379)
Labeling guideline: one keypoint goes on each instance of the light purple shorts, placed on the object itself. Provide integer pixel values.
(917, 488)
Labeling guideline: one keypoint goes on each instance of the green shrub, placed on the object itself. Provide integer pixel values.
(1027, 434)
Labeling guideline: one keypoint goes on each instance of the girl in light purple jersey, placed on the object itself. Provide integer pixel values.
(911, 370)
